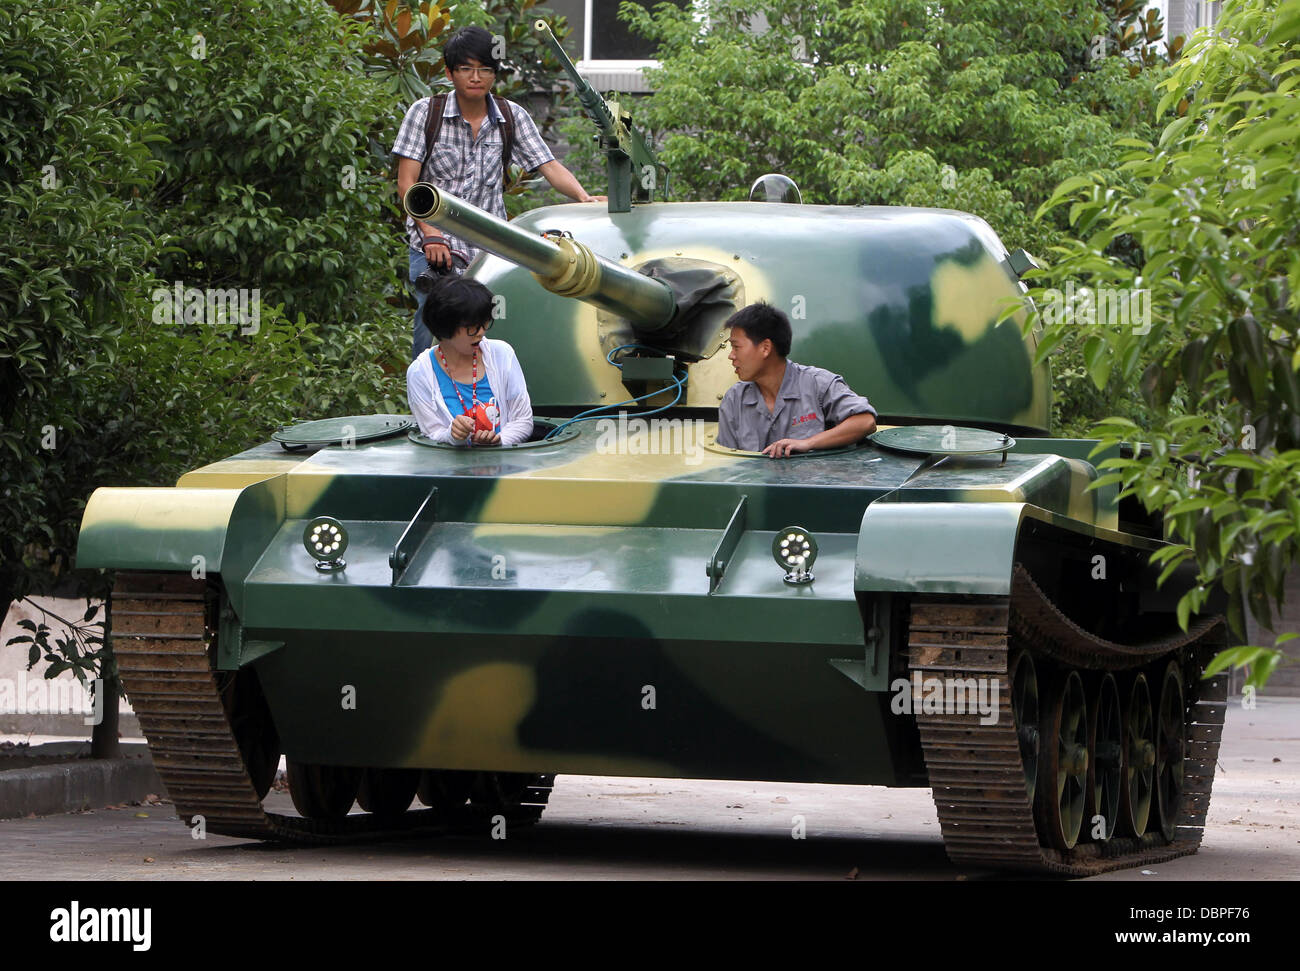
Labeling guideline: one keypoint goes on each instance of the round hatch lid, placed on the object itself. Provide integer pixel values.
(942, 440)
(338, 431)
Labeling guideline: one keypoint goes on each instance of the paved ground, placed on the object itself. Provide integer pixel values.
(608, 828)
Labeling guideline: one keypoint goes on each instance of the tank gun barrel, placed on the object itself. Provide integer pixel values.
(562, 265)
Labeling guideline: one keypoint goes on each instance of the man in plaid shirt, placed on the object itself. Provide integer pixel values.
(467, 158)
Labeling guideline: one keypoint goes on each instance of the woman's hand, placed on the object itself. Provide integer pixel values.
(486, 438)
(462, 426)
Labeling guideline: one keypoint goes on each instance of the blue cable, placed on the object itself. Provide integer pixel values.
(593, 413)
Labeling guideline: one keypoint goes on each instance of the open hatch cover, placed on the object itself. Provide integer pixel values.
(339, 431)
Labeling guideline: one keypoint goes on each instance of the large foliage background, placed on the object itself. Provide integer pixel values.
(242, 145)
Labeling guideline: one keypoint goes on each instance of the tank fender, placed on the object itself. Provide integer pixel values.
(938, 547)
(961, 548)
(185, 530)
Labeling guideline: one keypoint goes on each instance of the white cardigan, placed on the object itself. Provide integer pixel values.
(508, 387)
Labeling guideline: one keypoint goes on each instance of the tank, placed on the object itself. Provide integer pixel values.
(434, 633)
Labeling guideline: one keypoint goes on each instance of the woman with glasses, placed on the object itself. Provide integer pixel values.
(466, 389)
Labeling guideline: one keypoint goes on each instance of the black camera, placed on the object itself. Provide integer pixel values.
(430, 275)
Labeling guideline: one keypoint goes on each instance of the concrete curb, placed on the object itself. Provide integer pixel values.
(76, 785)
(71, 726)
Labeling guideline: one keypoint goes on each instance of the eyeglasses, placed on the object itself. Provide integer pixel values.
(465, 71)
(479, 329)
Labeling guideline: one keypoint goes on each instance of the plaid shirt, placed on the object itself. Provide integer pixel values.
(466, 166)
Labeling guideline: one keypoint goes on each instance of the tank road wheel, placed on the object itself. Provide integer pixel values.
(1024, 708)
(1139, 758)
(387, 792)
(1063, 763)
(252, 725)
(445, 789)
(1105, 755)
(322, 791)
(1171, 747)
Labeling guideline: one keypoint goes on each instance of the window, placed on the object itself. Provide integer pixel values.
(1185, 16)
(609, 55)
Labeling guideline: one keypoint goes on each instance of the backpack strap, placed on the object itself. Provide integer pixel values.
(507, 137)
(437, 104)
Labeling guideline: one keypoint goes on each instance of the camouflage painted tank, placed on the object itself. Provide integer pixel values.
(947, 605)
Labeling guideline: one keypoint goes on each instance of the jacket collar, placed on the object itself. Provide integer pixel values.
(789, 387)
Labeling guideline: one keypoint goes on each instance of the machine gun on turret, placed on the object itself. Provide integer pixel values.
(635, 175)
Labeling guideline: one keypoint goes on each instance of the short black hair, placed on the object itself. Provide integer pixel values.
(455, 302)
(761, 321)
(470, 44)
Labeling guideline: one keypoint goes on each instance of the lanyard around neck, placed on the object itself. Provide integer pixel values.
(473, 382)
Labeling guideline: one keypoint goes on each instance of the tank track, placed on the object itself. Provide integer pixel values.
(976, 771)
(163, 638)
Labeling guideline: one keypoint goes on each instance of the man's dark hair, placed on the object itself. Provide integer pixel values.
(470, 44)
(455, 302)
(761, 321)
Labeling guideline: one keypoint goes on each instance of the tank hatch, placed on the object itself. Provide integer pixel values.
(340, 431)
(942, 440)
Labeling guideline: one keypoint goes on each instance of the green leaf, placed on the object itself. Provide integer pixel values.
(1096, 354)
(1239, 460)
(1193, 359)
(1262, 669)
(1064, 189)
(1234, 657)
(1188, 505)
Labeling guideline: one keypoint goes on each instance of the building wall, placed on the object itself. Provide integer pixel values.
(1286, 678)
(1185, 16)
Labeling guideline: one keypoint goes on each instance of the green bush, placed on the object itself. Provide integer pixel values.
(235, 159)
(1210, 204)
(269, 180)
(75, 242)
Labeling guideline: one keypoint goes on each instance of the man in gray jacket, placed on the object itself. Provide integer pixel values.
(779, 407)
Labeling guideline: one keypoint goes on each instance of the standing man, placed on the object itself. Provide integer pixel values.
(779, 407)
(469, 151)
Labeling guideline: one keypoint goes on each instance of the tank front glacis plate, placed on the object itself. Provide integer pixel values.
(579, 702)
(903, 303)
